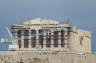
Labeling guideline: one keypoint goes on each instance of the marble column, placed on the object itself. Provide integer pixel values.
(52, 39)
(44, 39)
(65, 39)
(29, 44)
(59, 39)
(71, 38)
(37, 39)
(22, 39)
(15, 36)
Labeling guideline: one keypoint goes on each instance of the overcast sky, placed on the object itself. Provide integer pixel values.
(82, 13)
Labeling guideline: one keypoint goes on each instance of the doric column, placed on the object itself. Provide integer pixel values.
(15, 37)
(71, 37)
(44, 39)
(65, 39)
(59, 39)
(29, 44)
(52, 38)
(22, 39)
(37, 39)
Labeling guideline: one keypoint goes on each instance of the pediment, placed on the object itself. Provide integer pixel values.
(41, 21)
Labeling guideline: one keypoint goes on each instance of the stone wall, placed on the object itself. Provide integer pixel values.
(45, 57)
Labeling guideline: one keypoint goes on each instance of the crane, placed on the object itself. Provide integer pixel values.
(13, 45)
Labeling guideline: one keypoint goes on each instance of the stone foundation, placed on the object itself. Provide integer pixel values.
(45, 57)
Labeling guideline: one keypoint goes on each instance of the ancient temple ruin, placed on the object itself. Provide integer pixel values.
(50, 35)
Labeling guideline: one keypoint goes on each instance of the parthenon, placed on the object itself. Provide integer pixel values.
(45, 34)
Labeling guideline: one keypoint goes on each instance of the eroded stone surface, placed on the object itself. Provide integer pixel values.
(48, 58)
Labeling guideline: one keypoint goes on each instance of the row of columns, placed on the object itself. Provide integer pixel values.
(66, 40)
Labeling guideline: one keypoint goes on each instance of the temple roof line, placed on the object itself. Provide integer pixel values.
(41, 21)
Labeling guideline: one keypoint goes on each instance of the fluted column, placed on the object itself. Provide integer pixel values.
(37, 39)
(44, 39)
(65, 39)
(71, 38)
(52, 39)
(29, 44)
(59, 39)
(15, 37)
(22, 39)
